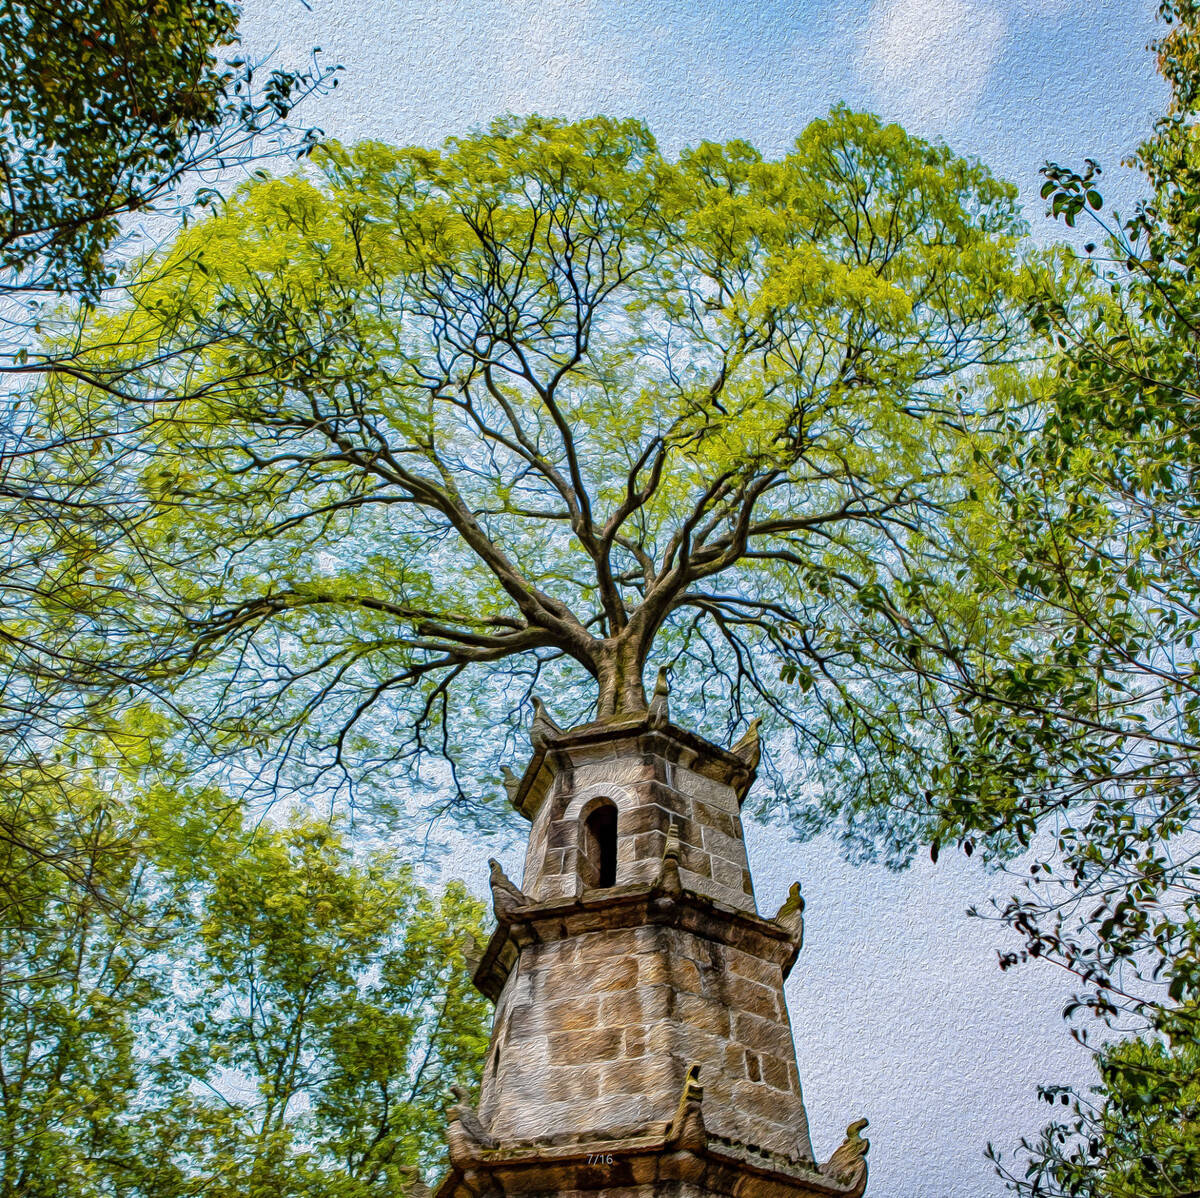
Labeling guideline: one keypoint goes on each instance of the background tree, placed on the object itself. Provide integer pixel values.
(339, 990)
(176, 1028)
(535, 402)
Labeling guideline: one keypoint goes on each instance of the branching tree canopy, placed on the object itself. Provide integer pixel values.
(538, 401)
(383, 446)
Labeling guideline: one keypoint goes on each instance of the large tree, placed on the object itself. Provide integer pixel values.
(545, 399)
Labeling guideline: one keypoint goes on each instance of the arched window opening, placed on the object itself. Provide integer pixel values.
(600, 855)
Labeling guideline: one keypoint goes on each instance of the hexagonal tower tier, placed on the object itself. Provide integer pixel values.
(641, 1044)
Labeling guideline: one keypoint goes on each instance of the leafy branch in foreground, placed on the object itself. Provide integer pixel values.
(1088, 737)
(107, 108)
(1136, 1134)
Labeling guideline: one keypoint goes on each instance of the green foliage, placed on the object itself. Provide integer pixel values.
(221, 1009)
(106, 105)
(1137, 1135)
(442, 423)
(71, 978)
(340, 988)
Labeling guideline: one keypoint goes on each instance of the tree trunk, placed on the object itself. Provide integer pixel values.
(619, 665)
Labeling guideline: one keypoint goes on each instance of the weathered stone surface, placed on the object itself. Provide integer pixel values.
(628, 1008)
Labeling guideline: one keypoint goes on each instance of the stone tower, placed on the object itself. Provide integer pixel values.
(640, 1047)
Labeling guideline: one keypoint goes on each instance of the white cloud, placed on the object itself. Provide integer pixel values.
(926, 62)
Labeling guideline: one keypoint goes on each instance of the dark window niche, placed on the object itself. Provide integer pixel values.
(600, 849)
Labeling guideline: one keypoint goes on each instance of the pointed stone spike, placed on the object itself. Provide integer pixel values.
(472, 951)
(465, 1128)
(512, 783)
(687, 1128)
(506, 897)
(748, 747)
(790, 916)
(659, 712)
(668, 881)
(544, 728)
(461, 1147)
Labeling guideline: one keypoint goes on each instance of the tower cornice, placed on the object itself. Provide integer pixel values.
(651, 1160)
(627, 1162)
(668, 740)
(629, 907)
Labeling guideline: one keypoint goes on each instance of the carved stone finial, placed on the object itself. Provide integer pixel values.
(687, 1127)
(790, 916)
(668, 881)
(465, 1135)
(506, 897)
(848, 1165)
(512, 783)
(544, 728)
(472, 950)
(672, 849)
(659, 712)
(748, 747)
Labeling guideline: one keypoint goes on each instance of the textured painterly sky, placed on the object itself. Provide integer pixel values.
(899, 1010)
(1013, 81)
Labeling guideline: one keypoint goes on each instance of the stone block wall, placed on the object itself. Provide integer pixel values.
(594, 1033)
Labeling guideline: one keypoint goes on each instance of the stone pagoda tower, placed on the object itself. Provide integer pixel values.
(641, 1047)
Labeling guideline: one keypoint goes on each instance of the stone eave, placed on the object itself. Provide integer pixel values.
(628, 907)
(685, 748)
(720, 1165)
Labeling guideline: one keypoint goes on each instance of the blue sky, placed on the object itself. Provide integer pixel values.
(899, 1010)
(1011, 81)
